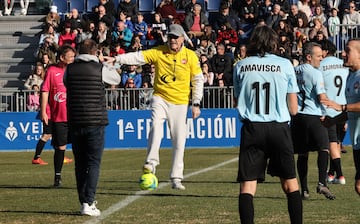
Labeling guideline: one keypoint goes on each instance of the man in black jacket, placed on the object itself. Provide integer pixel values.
(87, 118)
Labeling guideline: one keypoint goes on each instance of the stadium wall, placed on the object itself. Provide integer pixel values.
(128, 130)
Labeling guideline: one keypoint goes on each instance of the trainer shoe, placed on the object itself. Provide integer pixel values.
(57, 181)
(330, 178)
(339, 180)
(67, 160)
(23, 12)
(90, 210)
(7, 12)
(305, 195)
(39, 161)
(149, 168)
(321, 189)
(177, 185)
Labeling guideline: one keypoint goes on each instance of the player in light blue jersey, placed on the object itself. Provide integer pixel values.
(265, 89)
(263, 104)
(351, 57)
(335, 75)
(307, 130)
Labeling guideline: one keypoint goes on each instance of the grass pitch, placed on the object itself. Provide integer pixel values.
(27, 195)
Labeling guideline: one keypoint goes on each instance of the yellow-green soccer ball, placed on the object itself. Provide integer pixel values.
(148, 181)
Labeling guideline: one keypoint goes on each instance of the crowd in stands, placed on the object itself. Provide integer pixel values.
(218, 38)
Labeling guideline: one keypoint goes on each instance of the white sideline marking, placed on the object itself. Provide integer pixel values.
(130, 199)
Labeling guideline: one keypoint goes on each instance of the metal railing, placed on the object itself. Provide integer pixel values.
(343, 33)
(14, 100)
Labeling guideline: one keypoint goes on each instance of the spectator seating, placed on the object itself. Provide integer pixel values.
(79, 5)
(157, 2)
(62, 6)
(116, 3)
(202, 3)
(90, 4)
(213, 5)
(146, 5)
(84, 6)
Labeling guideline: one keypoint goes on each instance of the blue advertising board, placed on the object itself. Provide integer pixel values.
(129, 129)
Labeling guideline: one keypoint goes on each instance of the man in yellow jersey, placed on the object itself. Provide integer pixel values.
(177, 69)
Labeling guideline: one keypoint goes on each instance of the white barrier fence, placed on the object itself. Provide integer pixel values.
(342, 34)
(14, 100)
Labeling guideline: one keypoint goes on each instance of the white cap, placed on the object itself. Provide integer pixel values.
(53, 8)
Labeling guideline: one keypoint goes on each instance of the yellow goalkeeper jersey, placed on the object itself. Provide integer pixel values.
(173, 72)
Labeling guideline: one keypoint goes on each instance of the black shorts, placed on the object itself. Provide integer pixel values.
(330, 121)
(308, 133)
(265, 143)
(340, 131)
(60, 134)
(47, 128)
(332, 134)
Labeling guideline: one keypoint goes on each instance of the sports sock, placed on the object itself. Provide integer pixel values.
(39, 148)
(331, 168)
(58, 160)
(322, 162)
(337, 167)
(295, 207)
(302, 167)
(246, 209)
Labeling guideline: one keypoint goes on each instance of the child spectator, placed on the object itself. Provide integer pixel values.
(33, 100)
(141, 28)
(334, 28)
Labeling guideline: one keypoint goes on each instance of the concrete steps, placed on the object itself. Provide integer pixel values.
(18, 42)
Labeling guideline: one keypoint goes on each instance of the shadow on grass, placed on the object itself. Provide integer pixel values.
(35, 187)
(43, 212)
(169, 195)
(184, 181)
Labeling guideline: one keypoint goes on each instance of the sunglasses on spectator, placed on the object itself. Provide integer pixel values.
(172, 36)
